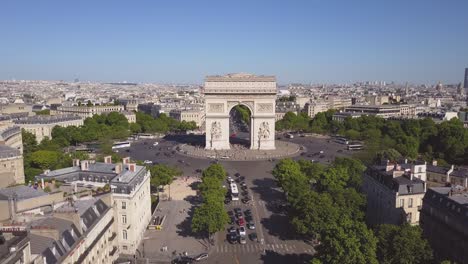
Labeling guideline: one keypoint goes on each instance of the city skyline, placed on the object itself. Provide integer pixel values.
(308, 42)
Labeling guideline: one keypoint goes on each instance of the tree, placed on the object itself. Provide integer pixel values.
(402, 244)
(162, 174)
(210, 217)
(29, 141)
(89, 103)
(215, 170)
(43, 112)
(46, 159)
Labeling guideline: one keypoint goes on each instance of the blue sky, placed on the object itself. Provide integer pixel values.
(320, 41)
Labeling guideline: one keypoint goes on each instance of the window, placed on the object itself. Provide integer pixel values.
(124, 219)
(410, 202)
(419, 169)
(124, 234)
(124, 247)
(124, 205)
(402, 202)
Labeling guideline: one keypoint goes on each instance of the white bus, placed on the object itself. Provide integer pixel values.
(118, 145)
(234, 192)
(355, 147)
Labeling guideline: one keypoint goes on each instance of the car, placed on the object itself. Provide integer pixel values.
(232, 220)
(237, 174)
(243, 184)
(242, 231)
(248, 212)
(232, 238)
(230, 179)
(244, 188)
(242, 178)
(242, 240)
(322, 156)
(340, 150)
(321, 152)
(227, 201)
(237, 210)
(251, 225)
(240, 221)
(253, 236)
(201, 257)
(232, 230)
(183, 260)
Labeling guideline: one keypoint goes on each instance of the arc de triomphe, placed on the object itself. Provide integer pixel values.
(257, 93)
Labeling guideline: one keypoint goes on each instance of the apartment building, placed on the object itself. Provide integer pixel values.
(394, 192)
(444, 218)
(41, 126)
(316, 107)
(88, 111)
(189, 115)
(130, 195)
(11, 166)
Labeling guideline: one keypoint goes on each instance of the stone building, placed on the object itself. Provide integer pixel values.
(444, 218)
(11, 166)
(394, 192)
(41, 126)
(316, 107)
(130, 196)
(188, 115)
(89, 111)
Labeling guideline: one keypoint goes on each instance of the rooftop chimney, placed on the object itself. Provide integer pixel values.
(434, 162)
(118, 168)
(85, 165)
(76, 162)
(108, 159)
(132, 167)
(126, 160)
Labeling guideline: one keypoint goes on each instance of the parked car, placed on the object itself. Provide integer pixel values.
(237, 211)
(248, 212)
(201, 257)
(242, 231)
(241, 221)
(237, 174)
(232, 230)
(242, 240)
(253, 236)
(232, 238)
(251, 225)
(246, 200)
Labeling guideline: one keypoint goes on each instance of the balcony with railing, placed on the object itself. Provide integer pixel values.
(114, 235)
(113, 251)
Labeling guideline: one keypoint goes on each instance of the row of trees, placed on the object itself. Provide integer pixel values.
(325, 204)
(211, 216)
(413, 138)
(162, 124)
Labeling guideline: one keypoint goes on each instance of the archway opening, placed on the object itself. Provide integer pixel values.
(240, 127)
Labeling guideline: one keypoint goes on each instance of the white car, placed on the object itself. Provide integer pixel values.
(147, 162)
(230, 179)
(321, 152)
(155, 144)
(242, 231)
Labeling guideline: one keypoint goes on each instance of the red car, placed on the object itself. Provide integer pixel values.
(240, 221)
(233, 135)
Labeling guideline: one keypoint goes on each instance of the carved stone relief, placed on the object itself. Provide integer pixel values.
(216, 108)
(264, 108)
(264, 131)
(216, 130)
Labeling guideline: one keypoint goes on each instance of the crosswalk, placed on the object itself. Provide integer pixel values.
(240, 203)
(256, 248)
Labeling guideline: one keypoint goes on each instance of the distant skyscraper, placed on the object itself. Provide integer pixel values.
(466, 78)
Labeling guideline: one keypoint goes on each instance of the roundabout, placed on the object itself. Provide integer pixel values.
(238, 153)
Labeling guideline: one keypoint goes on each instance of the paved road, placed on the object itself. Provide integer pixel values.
(280, 245)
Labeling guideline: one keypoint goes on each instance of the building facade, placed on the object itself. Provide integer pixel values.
(189, 115)
(42, 126)
(444, 218)
(394, 192)
(130, 195)
(89, 111)
(316, 107)
(11, 166)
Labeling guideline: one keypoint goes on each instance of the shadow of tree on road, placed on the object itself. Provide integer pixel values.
(194, 140)
(278, 224)
(271, 257)
(184, 229)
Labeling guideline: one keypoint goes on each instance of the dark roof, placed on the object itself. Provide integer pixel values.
(437, 169)
(20, 192)
(401, 184)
